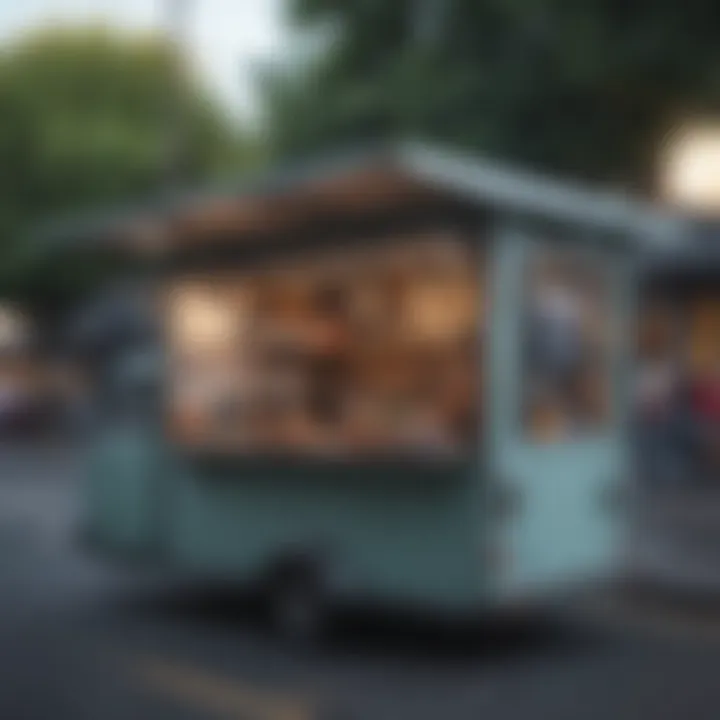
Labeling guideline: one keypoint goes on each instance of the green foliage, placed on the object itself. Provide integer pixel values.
(90, 118)
(585, 88)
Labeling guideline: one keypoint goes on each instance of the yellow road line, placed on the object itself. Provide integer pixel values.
(223, 697)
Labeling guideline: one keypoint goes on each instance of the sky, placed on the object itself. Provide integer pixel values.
(223, 37)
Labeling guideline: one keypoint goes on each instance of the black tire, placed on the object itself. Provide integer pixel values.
(297, 605)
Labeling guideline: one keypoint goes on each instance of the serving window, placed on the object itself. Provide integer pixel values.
(566, 373)
(370, 350)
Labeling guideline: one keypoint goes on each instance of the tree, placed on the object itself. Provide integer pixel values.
(86, 122)
(587, 89)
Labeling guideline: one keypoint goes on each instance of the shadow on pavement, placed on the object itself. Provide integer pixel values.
(379, 632)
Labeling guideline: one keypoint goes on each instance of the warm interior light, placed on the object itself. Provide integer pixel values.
(201, 320)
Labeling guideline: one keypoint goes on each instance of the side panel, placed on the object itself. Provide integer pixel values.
(396, 534)
(121, 499)
(559, 530)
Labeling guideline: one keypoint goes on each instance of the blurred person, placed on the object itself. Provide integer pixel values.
(705, 406)
(657, 383)
(556, 331)
(663, 423)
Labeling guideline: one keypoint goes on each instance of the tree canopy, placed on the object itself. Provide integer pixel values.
(587, 89)
(90, 117)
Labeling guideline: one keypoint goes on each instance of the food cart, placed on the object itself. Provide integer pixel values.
(396, 374)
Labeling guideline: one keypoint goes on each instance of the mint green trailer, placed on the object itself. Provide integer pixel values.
(513, 515)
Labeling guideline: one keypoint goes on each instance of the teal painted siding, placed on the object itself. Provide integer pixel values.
(120, 500)
(398, 533)
(395, 533)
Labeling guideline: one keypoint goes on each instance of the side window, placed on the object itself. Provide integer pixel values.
(566, 374)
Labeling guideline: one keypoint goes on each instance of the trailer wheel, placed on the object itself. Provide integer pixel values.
(297, 605)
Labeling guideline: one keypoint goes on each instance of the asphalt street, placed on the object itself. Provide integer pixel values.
(83, 640)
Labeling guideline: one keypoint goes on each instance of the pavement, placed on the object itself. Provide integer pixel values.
(82, 640)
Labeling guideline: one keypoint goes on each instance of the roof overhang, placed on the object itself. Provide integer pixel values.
(357, 182)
